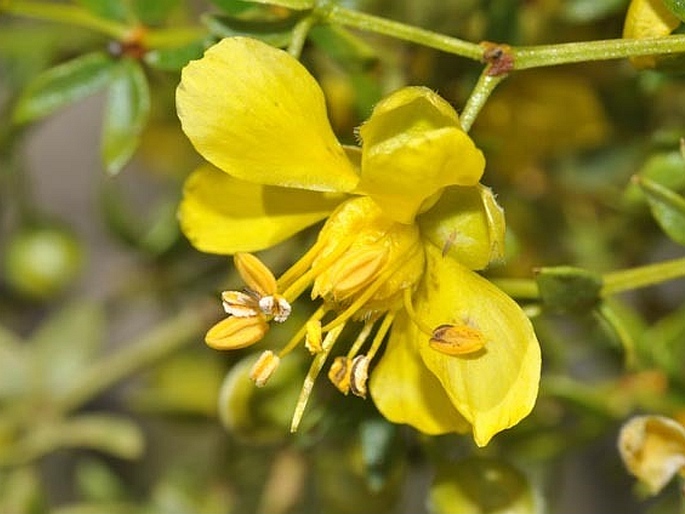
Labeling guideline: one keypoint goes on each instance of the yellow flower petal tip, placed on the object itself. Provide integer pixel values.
(255, 112)
(413, 146)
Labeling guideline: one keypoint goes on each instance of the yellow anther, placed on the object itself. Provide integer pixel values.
(240, 304)
(233, 332)
(457, 339)
(359, 375)
(340, 373)
(256, 275)
(265, 366)
(313, 336)
(354, 271)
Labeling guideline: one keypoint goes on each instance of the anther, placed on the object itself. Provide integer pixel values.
(265, 366)
(255, 274)
(457, 339)
(340, 373)
(233, 332)
(359, 375)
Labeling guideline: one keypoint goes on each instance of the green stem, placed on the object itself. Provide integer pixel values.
(341, 16)
(65, 13)
(160, 342)
(481, 92)
(549, 55)
(634, 278)
(173, 37)
(519, 288)
(299, 36)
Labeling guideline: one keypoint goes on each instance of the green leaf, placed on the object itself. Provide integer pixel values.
(665, 343)
(154, 12)
(111, 434)
(276, 33)
(109, 9)
(296, 5)
(565, 288)
(173, 59)
(126, 113)
(63, 85)
(233, 7)
(677, 7)
(64, 345)
(668, 208)
(481, 485)
(343, 46)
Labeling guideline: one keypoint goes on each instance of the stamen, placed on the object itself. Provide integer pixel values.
(365, 296)
(295, 340)
(264, 367)
(361, 338)
(340, 373)
(457, 339)
(300, 267)
(409, 307)
(314, 370)
(233, 332)
(275, 306)
(359, 375)
(380, 334)
(239, 304)
(312, 338)
(255, 274)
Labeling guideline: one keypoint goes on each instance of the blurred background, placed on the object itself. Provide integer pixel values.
(109, 399)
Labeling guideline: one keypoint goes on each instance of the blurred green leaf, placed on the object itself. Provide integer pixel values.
(63, 346)
(100, 508)
(20, 492)
(14, 372)
(97, 482)
(626, 324)
(154, 231)
(63, 85)
(233, 7)
(668, 208)
(565, 288)
(110, 9)
(677, 7)
(377, 437)
(665, 168)
(154, 12)
(347, 49)
(664, 341)
(584, 11)
(297, 5)
(173, 59)
(478, 485)
(126, 113)
(107, 433)
(276, 33)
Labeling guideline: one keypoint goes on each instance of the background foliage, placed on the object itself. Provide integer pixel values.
(108, 398)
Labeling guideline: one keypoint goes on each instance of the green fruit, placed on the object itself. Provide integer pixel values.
(40, 263)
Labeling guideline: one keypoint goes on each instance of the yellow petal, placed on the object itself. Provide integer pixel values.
(255, 112)
(467, 224)
(495, 387)
(645, 19)
(413, 146)
(220, 214)
(403, 389)
(653, 449)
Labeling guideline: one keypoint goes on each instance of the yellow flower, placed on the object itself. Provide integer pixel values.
(407, 222)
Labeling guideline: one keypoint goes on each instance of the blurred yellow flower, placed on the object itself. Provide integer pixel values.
(407, 222)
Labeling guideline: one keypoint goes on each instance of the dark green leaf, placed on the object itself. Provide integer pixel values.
(64, 84)
(668, 208)
(276, 33)
(677, 7)
(233, 7)
(65, 344)
(173, 59)
(109, 9)
(565, 288)
(343, 46)
(154, 12)
(126, 113)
